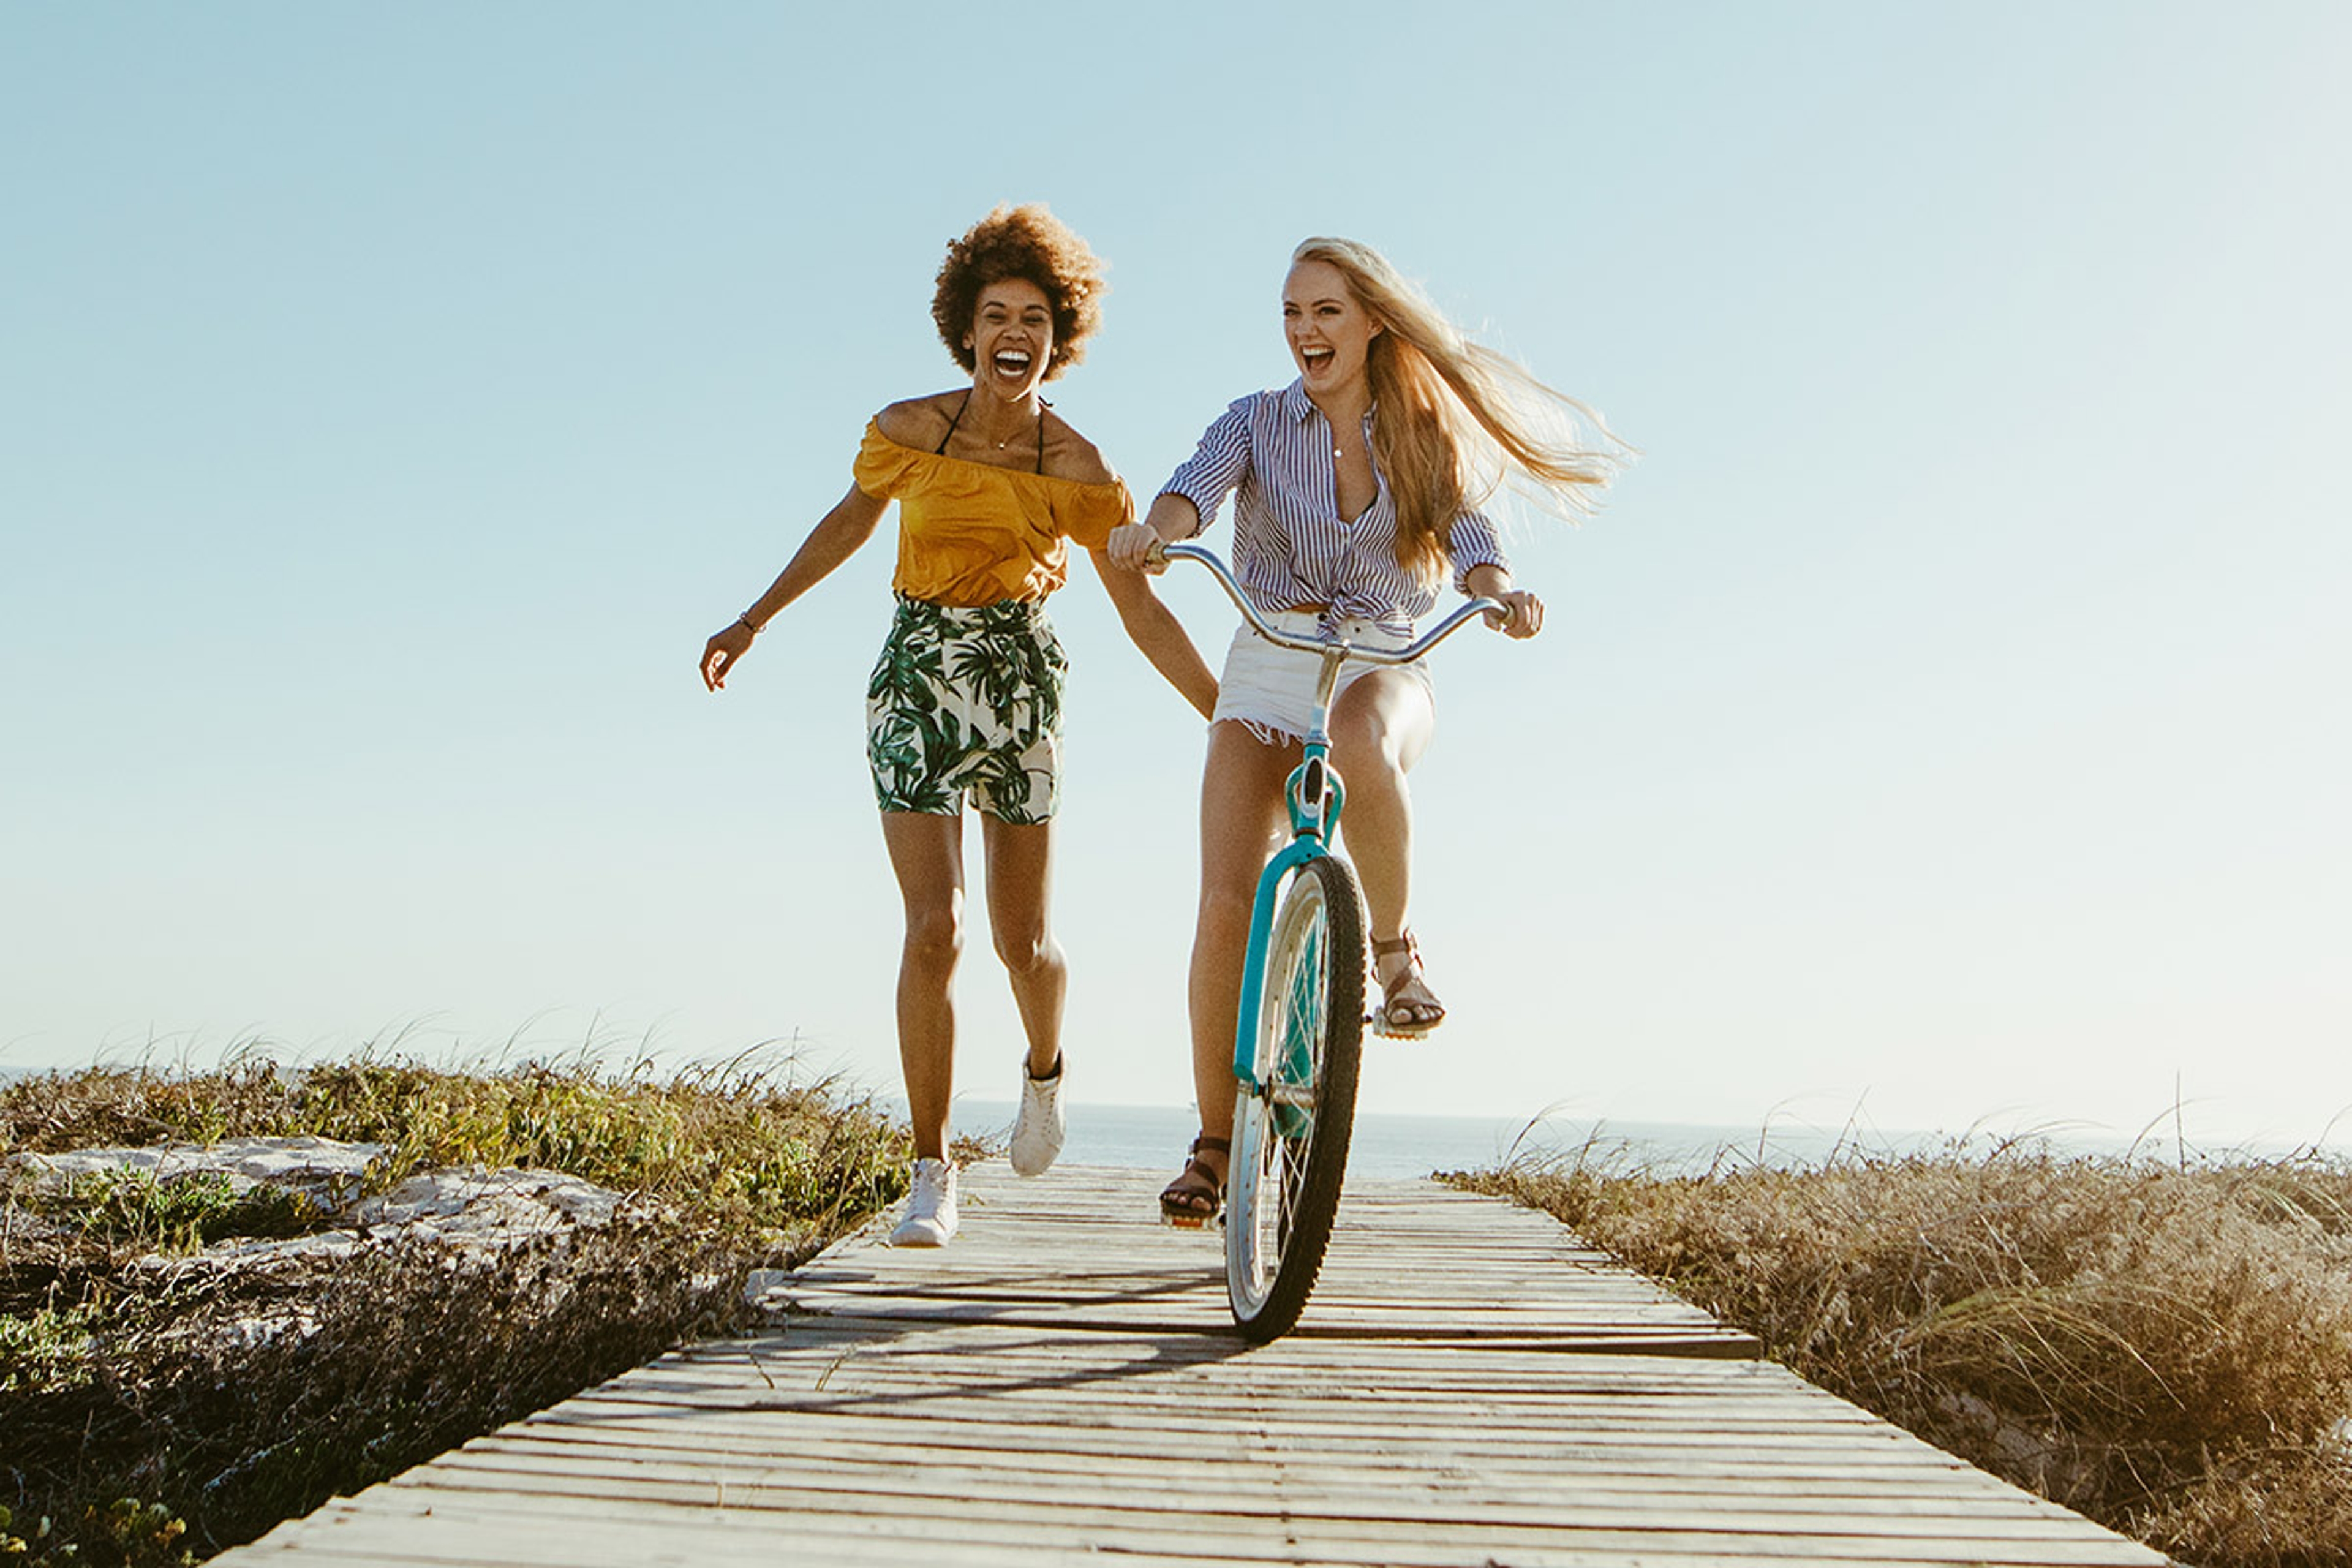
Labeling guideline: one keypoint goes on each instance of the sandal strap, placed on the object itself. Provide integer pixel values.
(1214, 1145)
(1414, 1015)
(1197, 1191)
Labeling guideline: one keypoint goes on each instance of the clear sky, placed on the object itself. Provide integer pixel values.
(1945, 718)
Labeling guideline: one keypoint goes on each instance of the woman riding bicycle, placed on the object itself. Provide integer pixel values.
(967, 697)
(1357, 488)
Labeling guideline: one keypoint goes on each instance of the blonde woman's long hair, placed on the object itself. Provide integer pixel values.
(1455, 420)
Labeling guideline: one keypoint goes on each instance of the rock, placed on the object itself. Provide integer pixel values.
(239, 1250)
(323, 1169)
(468, 1207)
(460, 1209)
(473, 1205)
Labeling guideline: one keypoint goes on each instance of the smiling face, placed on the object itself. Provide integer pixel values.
(1012, 338)
(1329, 332)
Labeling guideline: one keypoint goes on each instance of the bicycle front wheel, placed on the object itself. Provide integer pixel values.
(1291, 1125)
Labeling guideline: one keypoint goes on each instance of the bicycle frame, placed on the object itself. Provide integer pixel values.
(1315, 791)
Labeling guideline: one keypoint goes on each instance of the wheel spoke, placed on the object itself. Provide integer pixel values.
(1291, 1125)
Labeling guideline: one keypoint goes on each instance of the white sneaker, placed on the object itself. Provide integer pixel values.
(930, 1217)
(1037, 1133)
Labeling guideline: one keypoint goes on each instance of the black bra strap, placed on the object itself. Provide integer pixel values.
(941, 449)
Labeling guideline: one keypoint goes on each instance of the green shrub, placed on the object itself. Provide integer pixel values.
(45, 1347)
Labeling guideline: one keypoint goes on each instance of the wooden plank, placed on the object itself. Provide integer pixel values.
(1472, 1386)
(445, 1530)
(1065, 1532)
(977, 1491)
(1792, 1488)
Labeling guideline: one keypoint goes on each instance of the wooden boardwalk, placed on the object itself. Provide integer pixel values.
(1470, 1387)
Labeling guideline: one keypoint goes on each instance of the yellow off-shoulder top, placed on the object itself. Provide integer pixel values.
(972, 533)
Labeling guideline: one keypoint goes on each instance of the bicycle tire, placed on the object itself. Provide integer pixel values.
(1290, 1136)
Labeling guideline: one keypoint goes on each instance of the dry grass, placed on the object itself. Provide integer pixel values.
(2164, 1346)
(154, 1415)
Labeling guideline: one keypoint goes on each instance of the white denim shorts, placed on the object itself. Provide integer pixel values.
(1272, 690)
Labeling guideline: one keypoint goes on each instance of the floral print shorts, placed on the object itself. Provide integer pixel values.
(968, 701)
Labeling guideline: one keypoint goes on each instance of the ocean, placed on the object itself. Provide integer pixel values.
(1150, 1137)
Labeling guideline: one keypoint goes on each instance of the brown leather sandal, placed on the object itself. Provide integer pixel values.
(1192, 1199)
(1404, 1017)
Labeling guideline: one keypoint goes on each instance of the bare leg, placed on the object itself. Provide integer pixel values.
(927, 853)
(1380, 728)
(1020, 862)
(1242, 823)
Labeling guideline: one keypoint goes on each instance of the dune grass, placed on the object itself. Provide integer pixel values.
(155, 1414)
(2165, 1345)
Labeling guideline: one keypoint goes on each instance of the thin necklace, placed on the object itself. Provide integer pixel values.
(1337, 451)
(1041, 406)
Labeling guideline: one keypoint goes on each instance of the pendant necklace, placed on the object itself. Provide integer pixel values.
(1041, 406)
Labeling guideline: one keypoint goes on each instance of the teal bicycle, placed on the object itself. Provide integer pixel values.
(1300, 1039)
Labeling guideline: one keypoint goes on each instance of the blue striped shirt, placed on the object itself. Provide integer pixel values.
(1271, 452)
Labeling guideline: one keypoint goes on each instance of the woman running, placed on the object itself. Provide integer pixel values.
(966, 699)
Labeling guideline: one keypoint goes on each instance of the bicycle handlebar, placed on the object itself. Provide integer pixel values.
(1405, 655)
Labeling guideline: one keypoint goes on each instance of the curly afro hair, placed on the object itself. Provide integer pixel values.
(1025, 242)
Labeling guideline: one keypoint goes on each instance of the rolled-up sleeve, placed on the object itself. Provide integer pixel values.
(1216, 466)
(1475, 542)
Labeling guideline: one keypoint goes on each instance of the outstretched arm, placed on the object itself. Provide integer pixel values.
(1155, 630)
(833, 540)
